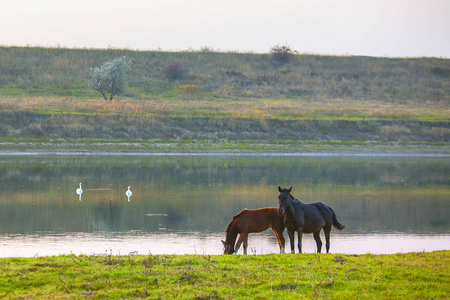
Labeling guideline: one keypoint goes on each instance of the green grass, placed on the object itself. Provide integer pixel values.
(307, 276)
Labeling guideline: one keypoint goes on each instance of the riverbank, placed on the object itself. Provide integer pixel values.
(271, 125)
(309, 276)
(139, 147)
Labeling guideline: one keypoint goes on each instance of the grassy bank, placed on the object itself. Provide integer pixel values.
(221, 146)
(281, 125)
(308, 276)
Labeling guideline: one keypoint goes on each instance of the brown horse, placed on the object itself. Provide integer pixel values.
(306, 218)
(253, 220)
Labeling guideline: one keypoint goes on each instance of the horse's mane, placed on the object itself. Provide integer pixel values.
(234, 218)
(286, 191)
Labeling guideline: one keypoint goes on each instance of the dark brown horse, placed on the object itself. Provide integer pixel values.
(250, 221)
(306, 218)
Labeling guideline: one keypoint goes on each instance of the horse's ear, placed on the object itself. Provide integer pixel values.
(279, 189)
(289, 190)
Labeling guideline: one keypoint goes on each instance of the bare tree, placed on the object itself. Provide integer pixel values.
(110, 78)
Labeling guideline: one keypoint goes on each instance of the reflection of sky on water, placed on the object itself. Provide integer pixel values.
(188, 243)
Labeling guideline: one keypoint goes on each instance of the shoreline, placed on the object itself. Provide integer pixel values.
(224, 147)
(287, 154)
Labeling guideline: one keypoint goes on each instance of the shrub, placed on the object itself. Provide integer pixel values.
(175, 71)
(226, 91)
(282, 54)
(189, 91)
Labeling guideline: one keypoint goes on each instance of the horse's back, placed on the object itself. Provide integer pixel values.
(316, 207)
(257, 220)
(317, 215)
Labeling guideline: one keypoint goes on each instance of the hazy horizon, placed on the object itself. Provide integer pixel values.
(396, 28)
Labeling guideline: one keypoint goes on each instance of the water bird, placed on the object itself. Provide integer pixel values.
(128, 193)
(79, 191)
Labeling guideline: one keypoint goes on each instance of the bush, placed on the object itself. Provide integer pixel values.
(282, 54)
(189, 91)
(175, 71)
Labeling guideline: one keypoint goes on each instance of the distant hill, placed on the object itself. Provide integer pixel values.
(59, 72)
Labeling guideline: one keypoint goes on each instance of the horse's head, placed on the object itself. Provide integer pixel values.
(228, 248)
(283, 199)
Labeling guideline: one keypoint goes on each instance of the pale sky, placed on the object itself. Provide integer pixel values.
(387, 28)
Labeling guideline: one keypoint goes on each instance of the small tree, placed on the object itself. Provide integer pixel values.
(110, 78)
(282, 54)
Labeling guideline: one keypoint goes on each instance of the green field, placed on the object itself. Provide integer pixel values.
(286, 276)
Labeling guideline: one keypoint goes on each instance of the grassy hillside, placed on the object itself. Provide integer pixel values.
(221, 101)
(62, 73)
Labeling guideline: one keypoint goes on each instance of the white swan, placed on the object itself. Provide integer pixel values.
(79, 190)
(128, 193)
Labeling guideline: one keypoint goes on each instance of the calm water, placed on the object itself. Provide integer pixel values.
(181, 204)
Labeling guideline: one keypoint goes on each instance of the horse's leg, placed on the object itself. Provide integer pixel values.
(245, 245)
(300, 233)
(242, 237)
(318, 241)
(327, 232)
(280, 239)
(291, 239)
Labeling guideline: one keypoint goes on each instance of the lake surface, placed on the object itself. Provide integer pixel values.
(181, 204)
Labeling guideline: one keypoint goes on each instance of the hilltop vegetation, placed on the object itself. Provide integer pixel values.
(205, 74)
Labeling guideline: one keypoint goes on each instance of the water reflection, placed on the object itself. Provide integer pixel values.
(195, 243)
(197, 195)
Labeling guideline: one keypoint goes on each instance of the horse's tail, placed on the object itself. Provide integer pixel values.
(336, 223)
